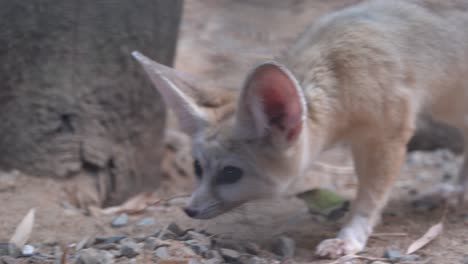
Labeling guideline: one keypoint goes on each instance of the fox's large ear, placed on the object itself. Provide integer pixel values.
(175, 87)
(271, 105)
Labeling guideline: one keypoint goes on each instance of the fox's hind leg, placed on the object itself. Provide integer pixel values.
(377, 162)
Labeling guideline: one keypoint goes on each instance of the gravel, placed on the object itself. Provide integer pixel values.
(119, 221)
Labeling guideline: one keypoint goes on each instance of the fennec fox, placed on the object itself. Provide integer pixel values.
(361, 75)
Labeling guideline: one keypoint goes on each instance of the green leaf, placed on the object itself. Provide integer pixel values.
(323, 201)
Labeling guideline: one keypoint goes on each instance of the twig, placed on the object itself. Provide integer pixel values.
(389, 234)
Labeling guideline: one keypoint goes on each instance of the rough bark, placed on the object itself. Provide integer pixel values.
(72, 99)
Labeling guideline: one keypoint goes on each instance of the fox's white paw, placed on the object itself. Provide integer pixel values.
(335, 248)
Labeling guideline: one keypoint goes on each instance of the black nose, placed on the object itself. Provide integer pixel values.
(190, 212)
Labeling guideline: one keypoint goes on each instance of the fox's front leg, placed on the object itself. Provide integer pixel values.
(377, 163)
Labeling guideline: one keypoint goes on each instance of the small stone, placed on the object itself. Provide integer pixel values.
(129, 249)
(255, 260)
(379, 262)
(203, 239)
(162, 253)
(392, 254)
(230, 244)
(229, 254)
(146, 221)
(174, 228)
(194, 261)
(199, 248)
(7, 260)
(284, 247)
(167, 234)
(109, 240)
(465, 259)
(424, 205)
(93, 256)
(119, 221)
(27, 250)
(9, 249)
(412, 257)
(151, 243)
(82, 244)
(213, 261)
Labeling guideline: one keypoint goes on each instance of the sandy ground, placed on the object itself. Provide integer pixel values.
(220, 40)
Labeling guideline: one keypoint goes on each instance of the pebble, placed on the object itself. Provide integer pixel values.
(27, 251)
(174, 228)
(284, 246)
(255, 260)
(392, 254)
(379, 262)
(129, 249)
(109, 240)
(201, 238)
(162, 253)
(167, 234)
(424, 205)
(395, 255)
(146, 221)
(119, 221)
(93, 256)
(229, 254)
(199, 248)
(9, 249)
(82, 244)
(194, 261)
(213, 261)
(465, 259)
(8, 260)
(151, 243)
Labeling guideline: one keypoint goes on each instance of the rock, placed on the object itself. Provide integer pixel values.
(230, 244)
(7, 260)
(213, 261)
(201, 238)
(284, 246)
(162, 253)
(199, 248)
(174, 228)
(9, 249)
(194, 261)
(93, 256)
(465, 259)
(146, 221)
(229, 254)
(109, 240)
(151, 243)
(255, 260)
(27, 251)
(412, 257)
(392, 254)
(167, 234)
(82, 244)
(119, 221)
(424, 205)
(129, 249)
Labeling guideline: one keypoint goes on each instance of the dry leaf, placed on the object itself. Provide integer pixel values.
(430, 235)
(134, 205)
(24, 229)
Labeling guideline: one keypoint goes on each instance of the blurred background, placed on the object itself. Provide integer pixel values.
(87, 142)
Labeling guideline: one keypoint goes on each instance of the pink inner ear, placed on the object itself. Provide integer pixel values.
(280, 99)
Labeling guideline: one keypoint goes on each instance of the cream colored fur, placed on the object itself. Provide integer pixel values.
(364, 75)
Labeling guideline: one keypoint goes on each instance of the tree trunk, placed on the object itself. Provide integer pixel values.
(72, 99)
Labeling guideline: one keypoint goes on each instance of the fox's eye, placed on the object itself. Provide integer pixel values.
(198, 169)
(229, 175)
